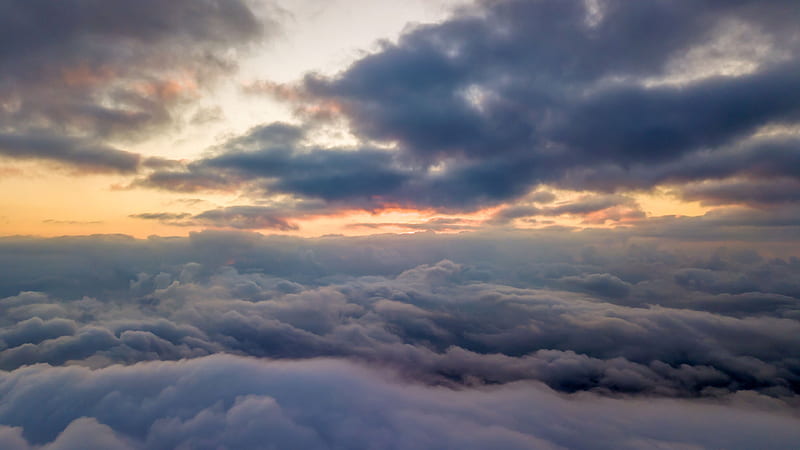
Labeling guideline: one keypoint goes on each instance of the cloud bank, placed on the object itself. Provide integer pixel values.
(520, 340)
(228, 402)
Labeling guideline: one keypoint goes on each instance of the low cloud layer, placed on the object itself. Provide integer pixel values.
(229, 402)
(462, 328)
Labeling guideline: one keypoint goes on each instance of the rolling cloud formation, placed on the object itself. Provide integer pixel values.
(194, 341)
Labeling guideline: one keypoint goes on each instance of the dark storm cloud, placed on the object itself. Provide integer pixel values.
(511, 94)
(85, 71)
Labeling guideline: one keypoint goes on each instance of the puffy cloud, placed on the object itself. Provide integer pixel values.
(124, 341)
(493, 316)
(601, 284)
(224, 401)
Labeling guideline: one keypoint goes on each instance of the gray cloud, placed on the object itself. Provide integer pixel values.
(225, 401)
(545, 109)
(79, 153)
(245, 217)
(276, 216)
(757, 193)
(592, 208)
(509, 95)
(77, 73)
(495, 317)
(609, 319)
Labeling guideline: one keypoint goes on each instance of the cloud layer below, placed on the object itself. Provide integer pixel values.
(230, 402)
(519, 340)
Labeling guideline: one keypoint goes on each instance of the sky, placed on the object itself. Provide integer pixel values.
(399, 224)
(125, 129)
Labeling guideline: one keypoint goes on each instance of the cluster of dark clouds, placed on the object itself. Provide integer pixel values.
(547, 333)
(76, 74)
(604, 96)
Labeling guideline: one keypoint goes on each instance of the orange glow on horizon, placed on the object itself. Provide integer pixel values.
(37, 200)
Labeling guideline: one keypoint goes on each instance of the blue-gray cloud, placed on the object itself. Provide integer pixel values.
(512, 94)
(229, 402)
(611, 319)
(76, 73)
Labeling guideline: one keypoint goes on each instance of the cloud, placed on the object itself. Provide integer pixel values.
(224, 401)
(491, 316)
(84, 155)
(161, 216)
(128, 340)
(439, 224)
(757, 193)
(604, 284)
(762, 158)
(77, 74)
(276, 216)
(734, 223)
(470, 89)
(245, 217)
(506, 96)
(596, 209)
